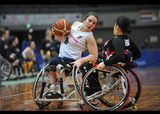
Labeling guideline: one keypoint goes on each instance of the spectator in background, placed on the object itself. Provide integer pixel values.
(8, 33)
(4, 47)
(28, 54)
(45, 46)
(26, 42)
(3, 44)
(14, 49)
(100, 46)
(28, 51)
(146, 44)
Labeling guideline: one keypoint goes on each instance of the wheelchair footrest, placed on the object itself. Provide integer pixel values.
(52, 95)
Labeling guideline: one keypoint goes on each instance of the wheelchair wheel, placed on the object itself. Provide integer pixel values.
(41, 87)
(77, 79)
(6, 68)
(136, 88)
(106, 90)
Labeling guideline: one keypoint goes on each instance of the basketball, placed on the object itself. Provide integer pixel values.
(62, 27)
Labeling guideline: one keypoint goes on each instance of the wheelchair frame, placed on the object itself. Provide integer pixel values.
(132, 98)
(64, 96)
(8, 71)
(76, 91)
(4, 73)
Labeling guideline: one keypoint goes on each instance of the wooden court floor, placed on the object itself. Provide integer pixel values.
(18, 97)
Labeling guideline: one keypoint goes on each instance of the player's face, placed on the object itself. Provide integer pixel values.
(90, 23)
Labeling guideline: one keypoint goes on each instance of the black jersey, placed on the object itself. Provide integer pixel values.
(4, 49)
(117, 49)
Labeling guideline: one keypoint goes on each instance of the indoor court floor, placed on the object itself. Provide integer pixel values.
(18, 96)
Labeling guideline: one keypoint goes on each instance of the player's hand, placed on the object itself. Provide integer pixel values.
(76, 63)
(101, 66)
(58, 38)
(53, 32)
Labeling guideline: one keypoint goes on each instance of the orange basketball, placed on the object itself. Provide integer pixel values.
(62, 27)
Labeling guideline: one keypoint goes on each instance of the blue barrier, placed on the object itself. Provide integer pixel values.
(155, 61)
(149, 58)
(145, 60)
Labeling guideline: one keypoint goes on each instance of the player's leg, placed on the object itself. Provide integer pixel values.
(52, 75)
(52, 71)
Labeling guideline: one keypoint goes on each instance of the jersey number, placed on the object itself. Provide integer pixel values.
(66, 41)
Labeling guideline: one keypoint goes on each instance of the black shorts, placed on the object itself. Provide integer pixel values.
(88, 65)
(57, 60)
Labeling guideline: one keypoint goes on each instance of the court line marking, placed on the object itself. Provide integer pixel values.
(15, 95)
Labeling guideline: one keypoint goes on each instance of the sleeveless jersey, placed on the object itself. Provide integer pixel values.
(74, 45)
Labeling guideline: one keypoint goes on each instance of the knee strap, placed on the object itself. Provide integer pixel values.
(51, 68)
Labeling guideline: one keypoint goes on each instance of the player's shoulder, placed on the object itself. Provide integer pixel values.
(76, 22)
(117, 39)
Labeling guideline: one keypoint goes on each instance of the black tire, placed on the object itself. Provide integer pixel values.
(136, 87)
(6, 68)
(77, 79)
(36, 85)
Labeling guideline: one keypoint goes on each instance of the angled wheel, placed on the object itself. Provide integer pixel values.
(6, 69)
(77, 79)
(111, 87)
(136, 88)
(41, 87)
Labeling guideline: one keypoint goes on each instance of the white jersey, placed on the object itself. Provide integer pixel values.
(24, 53)
(76, 43)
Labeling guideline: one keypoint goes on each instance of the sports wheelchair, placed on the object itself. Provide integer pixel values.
(42, 84)
(6, 68)
(10, 72)
(113, 88)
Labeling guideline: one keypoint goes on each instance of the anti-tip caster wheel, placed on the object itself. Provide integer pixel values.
(60, 104)
(134, 108)
(41, 106)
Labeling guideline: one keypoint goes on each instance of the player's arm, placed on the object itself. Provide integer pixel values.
(119, 54)
(92, 49)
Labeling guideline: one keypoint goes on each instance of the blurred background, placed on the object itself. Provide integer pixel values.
(19, 19)
(35, 19)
